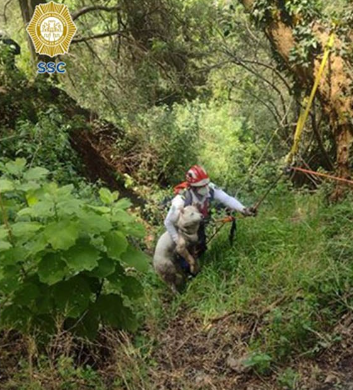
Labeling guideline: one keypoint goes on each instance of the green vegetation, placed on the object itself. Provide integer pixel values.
(63, 255)
(153, 87)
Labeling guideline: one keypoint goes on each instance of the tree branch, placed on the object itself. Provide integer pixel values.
(85, 10)
(102, 35)
(5, 7)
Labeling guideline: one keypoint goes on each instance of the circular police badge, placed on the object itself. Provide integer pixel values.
(51, 29)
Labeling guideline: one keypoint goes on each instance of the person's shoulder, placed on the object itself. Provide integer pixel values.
(178, 201)
(213, 186)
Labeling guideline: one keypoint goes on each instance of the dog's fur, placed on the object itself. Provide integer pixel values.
(164, 260)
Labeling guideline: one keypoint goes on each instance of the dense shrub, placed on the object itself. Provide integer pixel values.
(64, 257)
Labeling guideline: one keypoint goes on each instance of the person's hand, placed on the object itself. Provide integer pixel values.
(249, 212)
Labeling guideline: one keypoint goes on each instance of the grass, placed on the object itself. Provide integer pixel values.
(289, 272)
(296, 252)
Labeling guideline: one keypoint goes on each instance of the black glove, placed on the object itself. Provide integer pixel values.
(249, 212)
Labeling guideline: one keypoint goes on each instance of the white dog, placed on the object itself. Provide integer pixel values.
(164, 260)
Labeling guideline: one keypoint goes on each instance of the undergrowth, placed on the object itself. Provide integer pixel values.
(288, 273)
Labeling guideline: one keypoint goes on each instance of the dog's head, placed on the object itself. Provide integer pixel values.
(189, 216)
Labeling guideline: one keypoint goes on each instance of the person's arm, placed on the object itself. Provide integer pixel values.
(228, 201)
(172, 217)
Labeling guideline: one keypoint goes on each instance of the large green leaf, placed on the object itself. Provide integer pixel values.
(21, 229)
(26, 294)
(114, 313)
(36, 244)
(4, 245)
(122, 204)
(9, 279)
(16, 167)
(62, 235)
(122, 217)
(15, 317)
(45, 300)
(82, 256)
(99, 209)
(135, 258)
(91, 222)
(6, 185)
(13, 255)
(36, 173)
(64, 192)
(134, 230)
(72, 296)
(69, 207)
(88, 324)
(105, 268)
(3, 233)
(52, 269)
(106, 196)
(116, 244)
(131, 287)
(39, 208)
(29, 187)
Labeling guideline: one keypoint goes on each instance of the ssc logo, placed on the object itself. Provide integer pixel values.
(51, 29)
(51, 67)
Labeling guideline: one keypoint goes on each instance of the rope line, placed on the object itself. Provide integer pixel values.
(304, 114)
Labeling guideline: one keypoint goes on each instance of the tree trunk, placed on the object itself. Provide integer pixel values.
(334, 91)
(27, 10)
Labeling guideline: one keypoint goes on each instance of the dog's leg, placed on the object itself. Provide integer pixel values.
(182, 250)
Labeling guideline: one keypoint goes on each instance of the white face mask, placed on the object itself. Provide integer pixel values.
(203, 191)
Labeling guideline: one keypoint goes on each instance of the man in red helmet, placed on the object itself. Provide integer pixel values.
(199, 192)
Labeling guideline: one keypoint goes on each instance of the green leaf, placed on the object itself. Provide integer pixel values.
(105, 268)
(6, 185)
(45, 301)
(88, 325)
(27, 294)
(131, 287)
(36, 244)
(15, 317)
(36, 173)
(114, 313)
(28, 187)
(52, 269)
(3, 233)
(115, 280)
(134, 230)
(21, 229)
(43, 208)
(106, 196)
(82, 256)
(13, 255)
(10, 279)
(69, 207)
(62, 235)
(135, 258)
(93, 223)
(64, 192)
(4, 245)
(72, 296)
(116, 244)
(16, 167)
(123, 204)
(100, 209)
(122, 216)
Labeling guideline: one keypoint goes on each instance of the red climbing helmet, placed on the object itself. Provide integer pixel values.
(196, 176)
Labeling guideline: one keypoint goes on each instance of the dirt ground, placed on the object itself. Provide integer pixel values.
(192, 356)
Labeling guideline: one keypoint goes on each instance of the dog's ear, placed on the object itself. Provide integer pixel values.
(182, 210)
